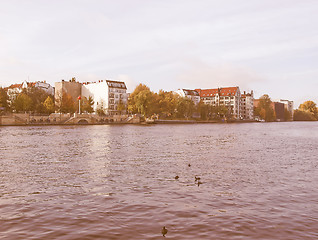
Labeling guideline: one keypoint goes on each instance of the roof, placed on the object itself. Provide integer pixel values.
(190, 92)
(228, 91)
(15, 85)
(116, 84)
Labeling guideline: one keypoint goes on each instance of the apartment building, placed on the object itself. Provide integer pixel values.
(228, 96)
(191, 94)
(247, 106)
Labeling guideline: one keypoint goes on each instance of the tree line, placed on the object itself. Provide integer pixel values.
(169, 105)
(36, 100)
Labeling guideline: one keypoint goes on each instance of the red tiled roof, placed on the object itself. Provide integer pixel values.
(228, 91)
(15, 85)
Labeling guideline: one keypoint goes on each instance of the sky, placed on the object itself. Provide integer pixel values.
(268, 46)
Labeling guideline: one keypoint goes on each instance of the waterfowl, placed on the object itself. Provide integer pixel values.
(164, 231)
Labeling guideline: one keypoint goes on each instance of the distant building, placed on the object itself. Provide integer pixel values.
(229, 97)
(71, 87)
(279, 110)
(14, 89)
(247, 106)
(289, 106)
(108, 95)
(191, 94)
(45, 87)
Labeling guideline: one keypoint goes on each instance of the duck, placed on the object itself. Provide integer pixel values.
(197, 178)
(164, 231)
(176, 177)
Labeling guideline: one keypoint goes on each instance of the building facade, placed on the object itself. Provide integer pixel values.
(289, 106)
(191, 94)
(229, 97)
(247, 106)
(71, 87)
(109, 96)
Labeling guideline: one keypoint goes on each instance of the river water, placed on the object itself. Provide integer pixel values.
(259, 181)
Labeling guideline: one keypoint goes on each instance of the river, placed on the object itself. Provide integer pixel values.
(259, 181)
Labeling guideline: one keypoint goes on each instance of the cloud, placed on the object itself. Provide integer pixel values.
(202, 75)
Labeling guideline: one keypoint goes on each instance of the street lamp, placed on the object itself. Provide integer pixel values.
(79, 104)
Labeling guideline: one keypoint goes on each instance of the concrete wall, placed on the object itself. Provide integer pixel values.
(74, 89)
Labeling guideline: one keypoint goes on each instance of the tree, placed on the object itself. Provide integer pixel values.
(141, 100)
(309, 106)
(300, 115)
(121, 107)
(22, 103)
(265, 109)
(49, 105)
(185, 107)
(64, 103)
(4, 99)
(166, 103)
(87, 104)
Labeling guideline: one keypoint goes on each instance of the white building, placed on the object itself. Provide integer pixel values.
(229, 97)
(289, 105)
(15, 89)
(247, 106)
(191, 94)
(45, 87)
(107, 95)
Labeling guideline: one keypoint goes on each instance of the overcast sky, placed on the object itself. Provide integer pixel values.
(269, 46)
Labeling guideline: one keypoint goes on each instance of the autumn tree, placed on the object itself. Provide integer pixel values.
(64, 103)
(49, 105)
(309, 106)
(265, 109)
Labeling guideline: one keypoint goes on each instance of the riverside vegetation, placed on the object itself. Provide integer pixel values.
(163, 105)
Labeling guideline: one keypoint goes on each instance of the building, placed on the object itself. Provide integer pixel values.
(229, 97)
(289, 106)
(191, 94)
(45, 87)
(71, 87)
(279, 110)
(15, 89)
(247, 106)
(109, 96)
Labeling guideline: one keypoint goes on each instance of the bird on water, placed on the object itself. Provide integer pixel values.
(176, 177)
(164, 231)
(197, 178)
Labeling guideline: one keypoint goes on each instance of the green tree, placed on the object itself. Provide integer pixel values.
(49, 104)
(185, 107)
(22, 103)
(166, 103)
(141, 101)
(87, 104)
(132, 106)
(121, 107)
(265, 109)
